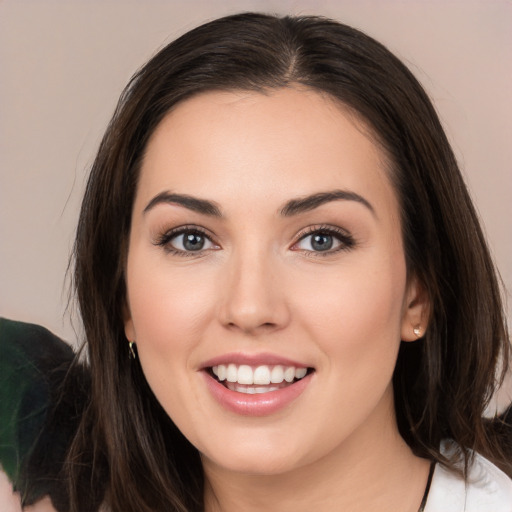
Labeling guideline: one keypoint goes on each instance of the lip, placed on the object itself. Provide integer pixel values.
(252, 360)
(263, 404)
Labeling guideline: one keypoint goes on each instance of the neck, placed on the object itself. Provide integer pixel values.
(367, 472)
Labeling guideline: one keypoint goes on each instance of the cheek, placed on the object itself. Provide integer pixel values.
(356, 313)
(170, 310)
(169, 307)
(356, 324)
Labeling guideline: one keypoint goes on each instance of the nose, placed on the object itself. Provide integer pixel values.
(253, 295)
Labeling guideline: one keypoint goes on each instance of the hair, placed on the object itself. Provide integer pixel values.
(127, 451)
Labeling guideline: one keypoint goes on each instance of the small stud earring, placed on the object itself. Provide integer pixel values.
(132, 352)
(417, 331)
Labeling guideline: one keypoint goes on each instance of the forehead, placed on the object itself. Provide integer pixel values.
(281, 143)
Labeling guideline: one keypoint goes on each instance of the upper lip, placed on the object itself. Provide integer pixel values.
(239, 358)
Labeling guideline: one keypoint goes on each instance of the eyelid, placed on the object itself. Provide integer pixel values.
(346, 240)
(165, 238)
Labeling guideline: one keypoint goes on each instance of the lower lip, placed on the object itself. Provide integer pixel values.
(261, 404)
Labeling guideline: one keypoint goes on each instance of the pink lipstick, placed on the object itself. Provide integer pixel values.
(256, 384)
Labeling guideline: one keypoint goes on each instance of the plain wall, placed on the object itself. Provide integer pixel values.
(64, 63)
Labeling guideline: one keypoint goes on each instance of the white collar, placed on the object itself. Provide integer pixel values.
(487, 488)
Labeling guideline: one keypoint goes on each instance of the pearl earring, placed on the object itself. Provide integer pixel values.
(417, 331)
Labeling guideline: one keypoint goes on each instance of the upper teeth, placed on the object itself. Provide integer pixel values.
(245, 374)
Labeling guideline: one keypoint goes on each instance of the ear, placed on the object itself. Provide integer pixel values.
(416, 311)
(129, 328)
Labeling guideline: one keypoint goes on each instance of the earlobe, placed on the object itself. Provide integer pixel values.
(416, 311)
(129, 329)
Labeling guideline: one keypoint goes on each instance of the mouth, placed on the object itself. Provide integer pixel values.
(259, 379)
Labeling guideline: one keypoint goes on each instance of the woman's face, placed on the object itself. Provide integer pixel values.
(266, 248)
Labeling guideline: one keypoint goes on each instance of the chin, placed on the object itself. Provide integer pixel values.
(259, 464)
(261, 453)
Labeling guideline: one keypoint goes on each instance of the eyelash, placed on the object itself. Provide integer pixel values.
(165, 239)
(345, 240)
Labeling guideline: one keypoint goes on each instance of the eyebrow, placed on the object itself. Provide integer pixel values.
(202, 206)
(291, 208)
(308, 203)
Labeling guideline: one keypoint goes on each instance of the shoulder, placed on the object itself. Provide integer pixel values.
(24, 393)
(487, 489)
(42, 394)
(10, 501)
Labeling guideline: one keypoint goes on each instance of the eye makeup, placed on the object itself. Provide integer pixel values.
(324, 240)
(318, 240)
(187, 241)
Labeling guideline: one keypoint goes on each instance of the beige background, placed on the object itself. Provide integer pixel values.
(64, 63)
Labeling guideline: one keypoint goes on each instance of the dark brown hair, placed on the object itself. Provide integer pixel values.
(127, 450)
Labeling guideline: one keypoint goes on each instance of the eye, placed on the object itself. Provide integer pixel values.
(190, 241)
(324, 240)
(185, 241)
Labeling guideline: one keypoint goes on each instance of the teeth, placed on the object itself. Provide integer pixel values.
(245, 375)
(221, 372)
(261, 375)
(250, 390)
(289, 374)
(266, 389)
(232, 373)
(277, 375)
(300, 372)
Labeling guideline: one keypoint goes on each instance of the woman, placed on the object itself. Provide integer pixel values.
(287, 297)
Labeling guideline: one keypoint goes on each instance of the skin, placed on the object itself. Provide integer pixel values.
(258, 287)
(11, 501)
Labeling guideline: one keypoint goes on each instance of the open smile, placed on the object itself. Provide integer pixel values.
(256, 389)
(257, 379)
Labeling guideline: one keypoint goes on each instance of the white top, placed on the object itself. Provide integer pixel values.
(488, 490)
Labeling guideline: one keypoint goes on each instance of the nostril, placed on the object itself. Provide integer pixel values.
(249, 327)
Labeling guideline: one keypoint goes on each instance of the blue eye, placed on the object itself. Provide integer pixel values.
(324, 240)
(189, 242)
(185, 241)
(321, 242)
